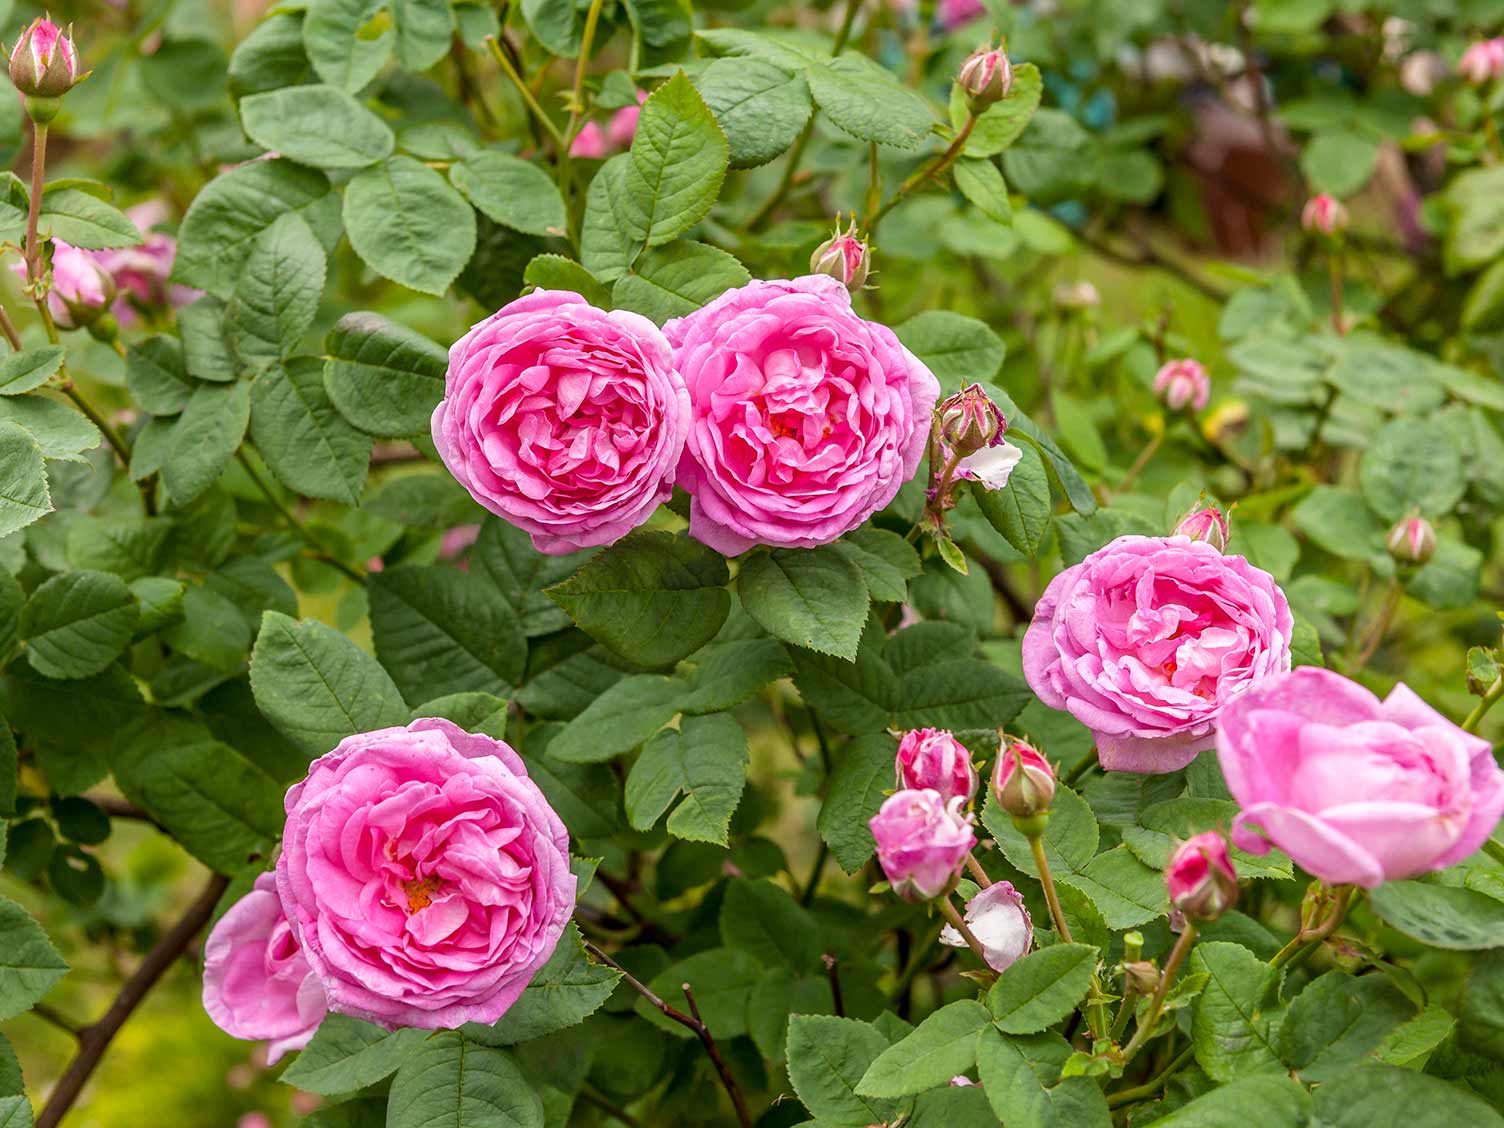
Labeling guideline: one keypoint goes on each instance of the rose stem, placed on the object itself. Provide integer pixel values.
(1475, 718)
(833, 973)
(1057, 917)
(1307, 940)
(974, 868)
(1157, 1000)
(1149, 1088)
(297, 526)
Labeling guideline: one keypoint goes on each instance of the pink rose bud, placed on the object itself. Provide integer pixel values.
(623, 125)
(1202, 883)
(997, 917)
(1355, 789)
(935, 759)
(844, 256)
(1205, 523)
(43, 63)
(969, 420)
(1324, 215)
(1482, 62)
(1412, 540)
(589, 143)
(922, 842)
(1023, 782)
(257, 983)
(985, 78)
(1181, 383)
(81, 291)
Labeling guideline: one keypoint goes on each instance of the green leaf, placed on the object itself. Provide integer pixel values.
(760, 106)
(618, 720)
(1387, 1094)
(1339, 521)
(439, 630)
(1339, 163)
(317, 687)
(407, 224)
(347, 1054)
(450, 1082)
(1070, 837)
(943, 1045)
(424, 31)
(23, 479)
(278, 293)
(722, 979)
(156, 375)
(270, 56)
(557, 24)
(1338, 1022)
(24, 371)
(222, 808)
(609, 241)
(887, 562)
(1021, 511)
(316, 125)
(763, 920)
(1482, 1011)
(504, 554)
(77, 623)
(1442, 916)
(1231, 1031)
(1125, 891)
(957, 349)
(513, 192)
(868, 102)
(982, 183)
(652, 597)
(1041, 988)
(207, 354)
(204, 439)
(1021, 1076)
(862, 778)
(85, 221)
(1002, 122)
(565, 991)
(383, 377)
(662, 30)
(348, 41)
(1269, 1102)
(728, 673)
(705, 760)
(1053, 159)
(306, 443)
(1475, 202)
(677, 279)
(827, 1057)
(814, 598)
(679, 157)
(555, 272)
(1406, 468)
(1063, 472)
(29, 964)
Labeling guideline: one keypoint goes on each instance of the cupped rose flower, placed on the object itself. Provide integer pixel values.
(1482, 61)
(257, 983)
(1353, 788)
(1324, 214)
(565, 419)
(1000, 922)
(806, 418)
(922, 841)
(425, 875)
(1147, 639)
(1183, 382)
(1200, 877)
(935, 759)
(82, 289)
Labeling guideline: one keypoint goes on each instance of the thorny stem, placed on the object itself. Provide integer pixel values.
(1381, 625)
(1149, 1088)
(1157, 1000)
(951, 914)
(34, 211)
(833, 973)
(1144, 456)
(1309, 938)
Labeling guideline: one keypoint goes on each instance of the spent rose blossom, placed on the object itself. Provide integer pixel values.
(257, 983)
(998, 919)
(844, 256)
(806, 418)
(922, 841)
(425, 875)
(1023, 781)
(565, 419)
(1324, 214)
(1183, 382)
(1148, 638)
(1483, 61)
(1200, 877)
(1205, 523)
(82, 289)
(935, 759)
(1353, 788)
(44, 62)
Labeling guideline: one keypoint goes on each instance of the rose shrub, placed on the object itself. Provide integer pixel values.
(851, 564)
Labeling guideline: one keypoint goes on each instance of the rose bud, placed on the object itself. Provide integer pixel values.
(969, 420)
(1202, 883)
(82, 290)
(1205, 523)
(844, 256)
(1181, 383)
(998, 919)
(935, 759)
(1412, 540)
(1482, 61)
(1324, 215)
(922, 842)
(985, 78)
(1023, 782)
(44, 63)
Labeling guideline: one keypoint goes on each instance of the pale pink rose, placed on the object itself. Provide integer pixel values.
(425, 875)
(142, 273)
(1205, 523)
(953, 13)
(1324, 215)
(806, 418)
(935, 759)
(922, 841)
(1182, 382)
(254, 1120)
(589, 143)
(257, 983)
(1147, 639)
(1353, 788)
(44, 61)
(81, 288)
(623, 124)
(1000, 922)
(565, 419)
(1482, 61)
(1200, 877)
(992, 465)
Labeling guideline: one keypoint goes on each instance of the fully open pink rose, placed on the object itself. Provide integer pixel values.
(807, 419)
(935, 759)
(1146, 640)
(922, 841)
(425, 875)
(1353, 788)
(564, 419)
(257, 984)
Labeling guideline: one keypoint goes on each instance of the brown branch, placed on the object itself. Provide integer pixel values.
(94, 1040)
(833, 973)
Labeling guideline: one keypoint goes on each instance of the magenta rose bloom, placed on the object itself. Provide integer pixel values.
(424, 874)
(806, 418)
(564, 419)
(257, 984)
(922, 841)
(1353, 788)
(1147, 639)
(935, 759)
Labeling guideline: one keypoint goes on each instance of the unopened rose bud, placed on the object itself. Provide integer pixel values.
(1202, 883)
(922, 842)
(935, 759)
(1182, 383)
(1411, 540)
(1000, 922)
(1023, 782)
(1076, 296)
(43, 63)
(1324, 215)
(81, 290)
(1141, 975)
(985, 78)
(844, 256)
(1482, 62)
(969, 420)
(1205, 523)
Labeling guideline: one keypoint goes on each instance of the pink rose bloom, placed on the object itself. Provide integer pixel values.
(1353, 788)
(1482, 61)
(1148, 638)
(623, 125)
(80, 284)
(954, 13)
(1200, 877)
(566, 420)
(425, 875)
(998, 919)
(1182, 382)
(806, 418)
(257, 983)
(935, 759)
(589, 143)
(1205, 523)
(142, 273)
(1323, 214)
(922, 842)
